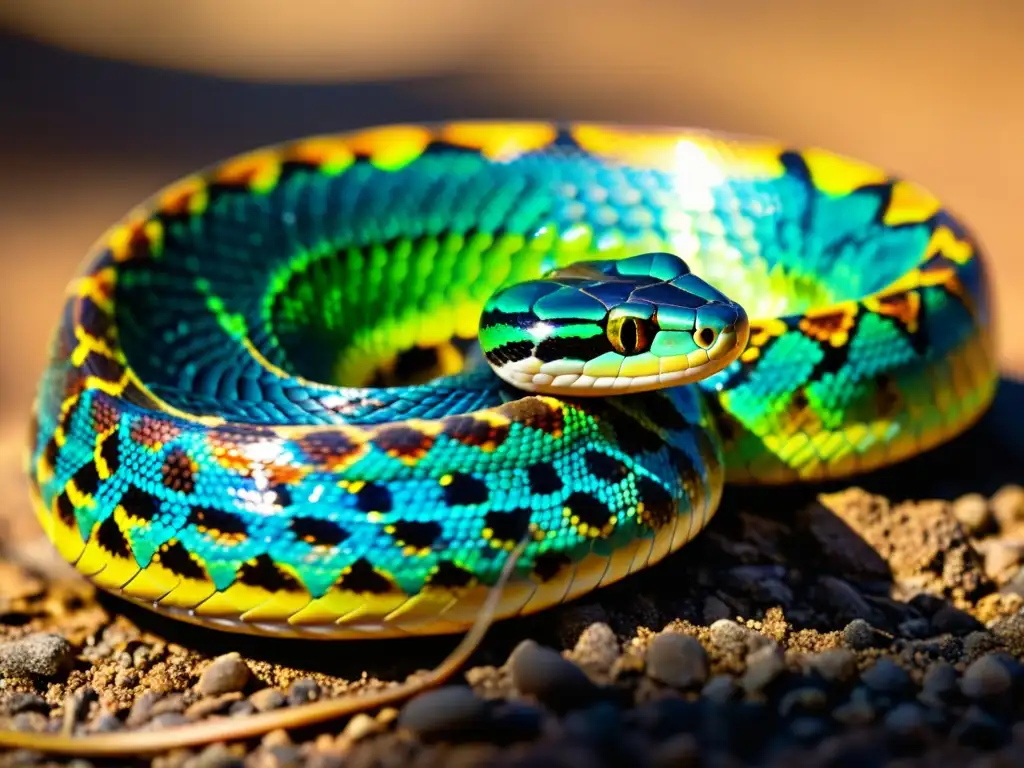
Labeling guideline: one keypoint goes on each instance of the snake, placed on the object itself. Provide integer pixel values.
(326, 388)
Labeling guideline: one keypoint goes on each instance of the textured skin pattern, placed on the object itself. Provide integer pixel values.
(234, 426)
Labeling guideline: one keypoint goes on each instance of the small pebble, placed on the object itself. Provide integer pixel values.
(40, 655)
(553, 680)
(887, 677)
(954, 621)
(218, 756)
(733, 636)
(808, 730)
(972, 512)
(802, 701)
(242, 708)
(763, 666)
(860, 636)
(855, 712)
(907, 721)
(940, 681)
(26, 702)
(30, 722)
(444, 713)
(978, 728)
(835, 665)
(212, 705)
(267, 699)
(226, 674)
(597, 647)
(989, 677)
(107, 722)
(677, 660)
(303, 691)
(714, 610)
(517, 721)
(1002, 557)
(720, 688)
(844, 601)
(359, 727)
(1008, 505)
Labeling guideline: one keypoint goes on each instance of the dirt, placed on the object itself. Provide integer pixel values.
(876, 623)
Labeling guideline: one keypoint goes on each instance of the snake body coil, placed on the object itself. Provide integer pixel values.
(266, 408)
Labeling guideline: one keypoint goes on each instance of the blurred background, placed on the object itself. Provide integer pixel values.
(103, 102)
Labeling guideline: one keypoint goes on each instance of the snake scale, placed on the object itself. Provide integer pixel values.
(271, 404)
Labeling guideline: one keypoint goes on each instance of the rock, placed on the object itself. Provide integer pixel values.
(267, 699)
(835, 665)
(714, 609)
(941, 681)
(840, 599)
(26, 702)
(860, 636)
(977, 728)
(1008, 506)
(988, 678)
(545, 674)
(954, 621)
(802, 701)
(359, 727)
(763, 666)
(597, 647)
(1002, 558)
(517, 721)
(303, 691)
(40, 655)
(226, 674)
(720, 688)
(677, 660)
(735, 638)
(212, 705)
(908, 721)
(973, 513)
(887, 677)
(445, 713)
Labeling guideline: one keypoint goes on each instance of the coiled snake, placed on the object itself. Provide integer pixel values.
(272, 405)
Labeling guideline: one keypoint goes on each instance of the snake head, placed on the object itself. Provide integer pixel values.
(612, 327)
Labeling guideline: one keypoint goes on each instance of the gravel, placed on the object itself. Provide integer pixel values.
(850, 630)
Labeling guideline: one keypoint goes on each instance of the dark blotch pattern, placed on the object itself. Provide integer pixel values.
(544, 478)
(363, 579)
(659, 506)
(87, 479)
(415, 533)
(262, 572)
(177, 472)
(605, 467)
(508, 526)
(402, 441)
(140, 504)
(588, 509)
(464, 489)
(373, 497)
(323, 448)
(549, 564)
(474, 432)
(65, 510)
(217, 520)
(317, 531)
(534, 413)
(110, 452)
(449, 575)
(110, 537)
(177, 560)
(102, 367)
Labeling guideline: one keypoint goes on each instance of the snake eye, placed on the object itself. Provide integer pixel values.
(705, 337)
(628, 335)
